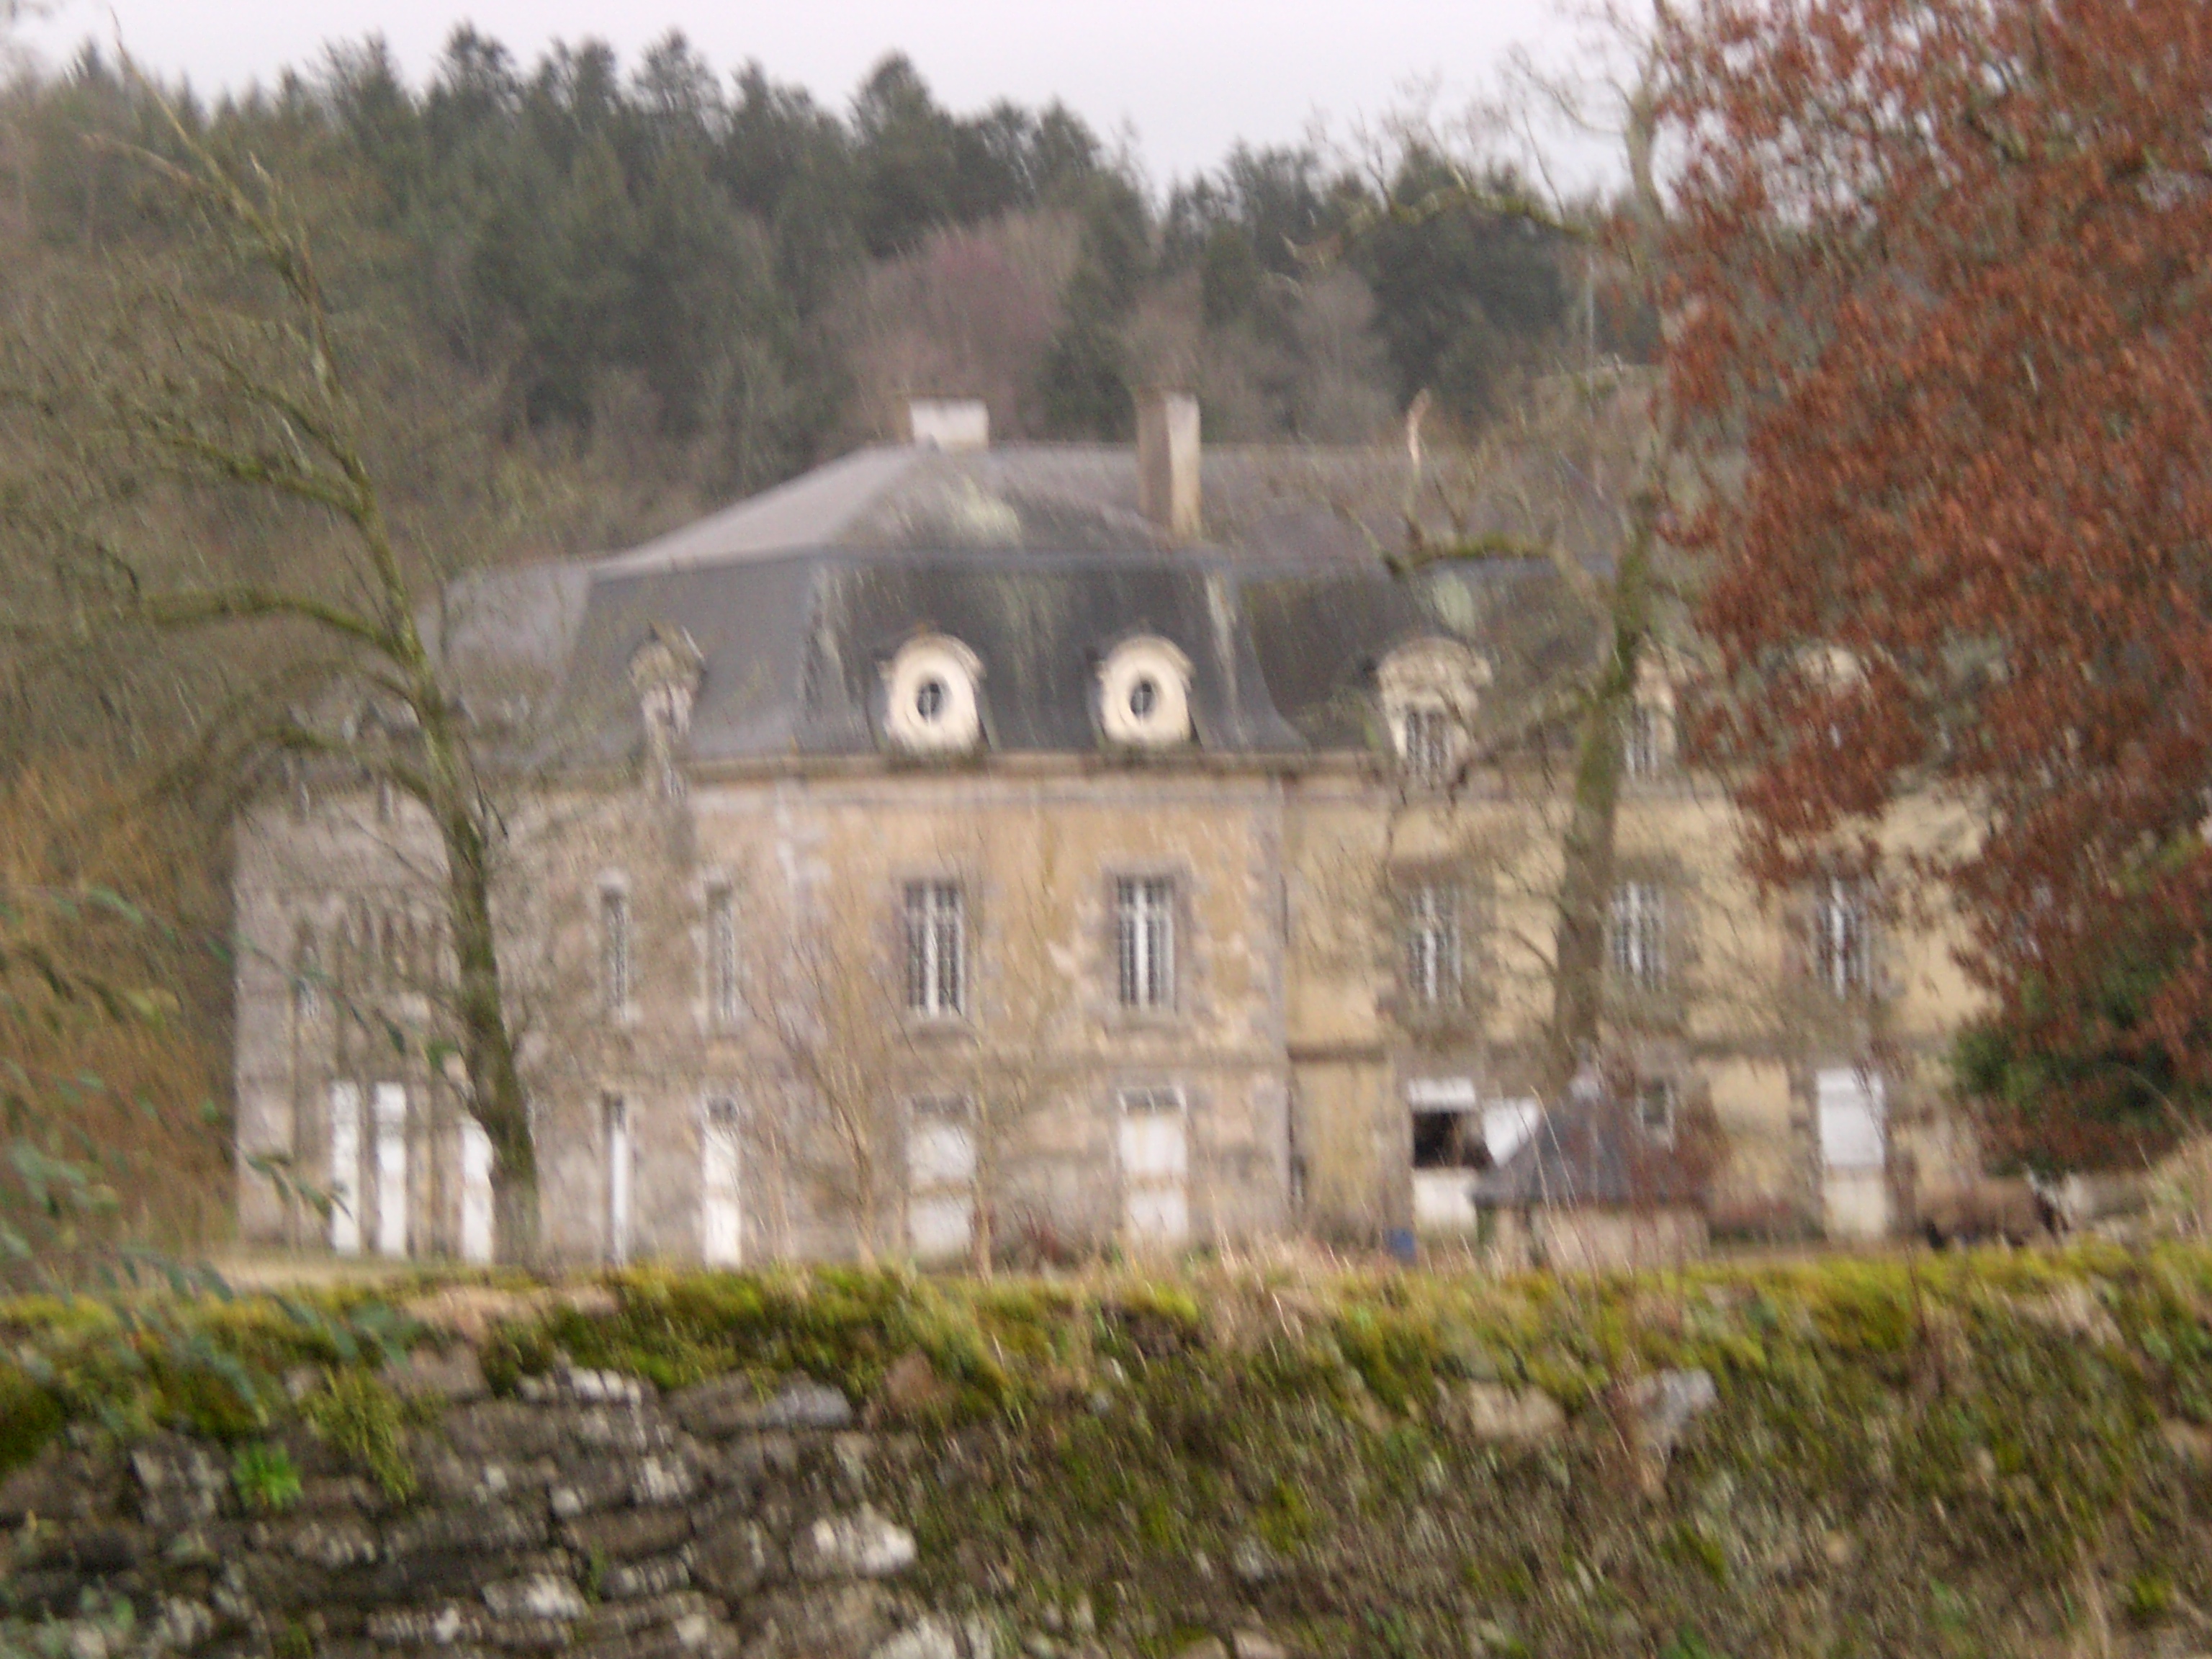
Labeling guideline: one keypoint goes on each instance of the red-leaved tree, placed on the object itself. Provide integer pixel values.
(1943, 272)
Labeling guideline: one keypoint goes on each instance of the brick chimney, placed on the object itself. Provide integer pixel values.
(1167, 462)
(949, 423)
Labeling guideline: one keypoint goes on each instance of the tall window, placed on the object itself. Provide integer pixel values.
(722, 956)
(306, 975)
(1432, 945)
(1840, 955)
(1638, 943)
(1144, 929)
(1643, 741)
(1654, 1109)
(935, 941)
(614, 949)
(1424, 743)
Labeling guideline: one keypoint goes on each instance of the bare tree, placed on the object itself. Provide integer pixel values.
(228, 373)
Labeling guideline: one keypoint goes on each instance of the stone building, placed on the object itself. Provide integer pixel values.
(1088, 840)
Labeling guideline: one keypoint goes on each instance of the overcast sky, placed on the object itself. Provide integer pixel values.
(1188, 77)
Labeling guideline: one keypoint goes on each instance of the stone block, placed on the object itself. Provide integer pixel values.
(861, 1544)
(932, 1639)
(1257, 1644)
(426, 1627)
(669, 1480)
(507, 1430)
(732, 1404)
(1512, 1416)
(626, 1534)
(845, 1621)
(449, 1374)
(593, 1487)
(333, 1544)
(1666, 1404)
(54, 1486)
(489, 1526)
(654, 1576)
(735, 1558)
(538, 1595)
(179, 1483)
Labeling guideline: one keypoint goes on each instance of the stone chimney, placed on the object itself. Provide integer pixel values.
(949, 423)
(1167, 462)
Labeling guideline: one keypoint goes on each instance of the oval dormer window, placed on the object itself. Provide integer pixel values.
(930, 703)
(1143, 695)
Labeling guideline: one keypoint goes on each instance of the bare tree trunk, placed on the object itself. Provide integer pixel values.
(496, 1095)
(1586, 874)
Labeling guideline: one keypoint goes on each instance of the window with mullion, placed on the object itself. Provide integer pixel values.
(1433, 944)
(1638, 934)
(722, 955)
(615, 965)
(1145, 913)
(935, 941)
(1840, 955)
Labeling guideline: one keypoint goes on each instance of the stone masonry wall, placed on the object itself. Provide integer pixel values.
(590, 1518)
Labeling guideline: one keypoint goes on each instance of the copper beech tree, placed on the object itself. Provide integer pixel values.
(1942, 268)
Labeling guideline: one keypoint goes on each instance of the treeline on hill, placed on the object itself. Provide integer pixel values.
(588, 299)
(746, 280)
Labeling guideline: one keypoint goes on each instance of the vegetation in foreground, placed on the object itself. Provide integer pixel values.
(1963, 1455)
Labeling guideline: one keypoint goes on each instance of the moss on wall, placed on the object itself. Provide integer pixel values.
(1958, 1456)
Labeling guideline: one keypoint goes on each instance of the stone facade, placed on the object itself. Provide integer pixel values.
(856, 912)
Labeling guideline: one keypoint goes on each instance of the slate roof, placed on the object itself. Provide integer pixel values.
(1034, 556)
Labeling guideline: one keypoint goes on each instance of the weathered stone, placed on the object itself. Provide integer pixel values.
(1257, 1644)
(337, 1494)
(182, 1625)
(734, 1560)
(539, 1596)
(333, 1544)
(911, 1389)
(450, 1374)
(92, 1548)
(860, 1545)
(1254, 1563)
(656, 1575)
(179, 1483)
(597, 1486)
(507, 1429)
(844, 1621)
(932, 1639)
(1512, 1416)
(50, 1486)
(2189, 1442)
(611, 1620)
(619, 1429)
(1666, 1404)
(627, 1532)
(596, 1386)
(664, 1481)
(448, 1477)
(527, 1635)
(426, 1627)
(491, 1527)
(732, 1405)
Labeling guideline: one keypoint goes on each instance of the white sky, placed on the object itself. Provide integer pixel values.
(1188, 75)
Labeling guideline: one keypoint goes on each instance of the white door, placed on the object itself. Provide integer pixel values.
(475, 1192)
(1851, 1120)
(345, 1168)
(1854, 1136)
(1155, 1168)
(721, 1214)
(390, 1169)
(618, 1179)
(940, 1213)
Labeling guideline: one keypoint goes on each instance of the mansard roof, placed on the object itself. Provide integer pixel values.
(1034, 557)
